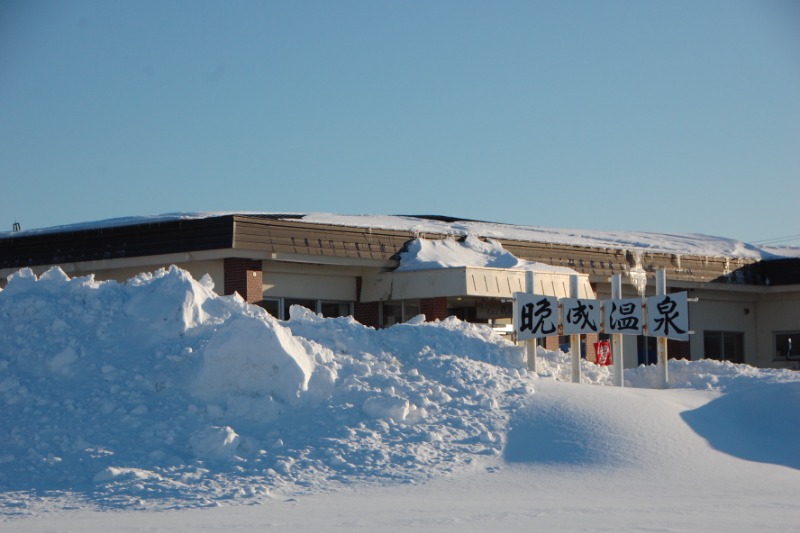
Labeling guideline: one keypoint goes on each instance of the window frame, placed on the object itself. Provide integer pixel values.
(724, 337)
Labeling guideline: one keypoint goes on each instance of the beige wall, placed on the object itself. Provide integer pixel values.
(466, 281)
(778, 311)
(298, 280)
(197, 269)
(723, 312)
(108, 270)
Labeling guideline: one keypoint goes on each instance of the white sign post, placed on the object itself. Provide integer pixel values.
(530, 344)
(622, 317)
(580, 315)
(667, 318)
(616, 338)
(663, 368)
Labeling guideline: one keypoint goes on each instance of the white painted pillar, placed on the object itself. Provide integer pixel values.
(575, 340)
(616, 338)
(663, 371)
(530, 344)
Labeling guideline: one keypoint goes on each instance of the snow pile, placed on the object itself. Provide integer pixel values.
(159, 390)
(424, 254)
(159, 393)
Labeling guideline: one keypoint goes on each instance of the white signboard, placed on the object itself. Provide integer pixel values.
(668, 316)
(623, 316)
(535, 316)
(580, 316)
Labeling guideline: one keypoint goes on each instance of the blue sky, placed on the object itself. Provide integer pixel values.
(679, 116)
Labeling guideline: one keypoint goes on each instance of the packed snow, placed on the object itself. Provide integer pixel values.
(471, 250)
(673, 243)
(157, 404)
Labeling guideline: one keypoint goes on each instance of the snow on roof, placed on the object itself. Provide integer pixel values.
(675, 243)
(426, 254)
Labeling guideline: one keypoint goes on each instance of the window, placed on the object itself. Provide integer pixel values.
(272, 305)
(787, 345)
(397, 311)
(724, 345)
(392, 313)
(330, 309)
(565, 344)
(410, 309)
(647, 350)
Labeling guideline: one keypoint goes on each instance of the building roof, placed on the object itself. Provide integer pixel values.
(378, 238)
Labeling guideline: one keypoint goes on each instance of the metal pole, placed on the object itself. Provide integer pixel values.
(616, 338)
(530, 344)
(575, 340)
(663, 372)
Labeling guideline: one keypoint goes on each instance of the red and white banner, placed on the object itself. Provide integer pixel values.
(602, 353)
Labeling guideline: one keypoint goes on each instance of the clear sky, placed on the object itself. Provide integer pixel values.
(665, 116)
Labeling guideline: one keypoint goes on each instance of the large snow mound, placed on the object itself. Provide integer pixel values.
(160, 393)
(471, 250)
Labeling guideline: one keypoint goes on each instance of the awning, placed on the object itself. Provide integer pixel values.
(467, 281)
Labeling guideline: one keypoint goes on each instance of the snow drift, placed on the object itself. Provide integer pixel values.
(471, 250)
(159, 393)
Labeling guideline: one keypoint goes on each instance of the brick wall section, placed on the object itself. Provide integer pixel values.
(433, 308)
(551, 343)
(591, 339)
(367, 313)
(245, 277)
(678, 350)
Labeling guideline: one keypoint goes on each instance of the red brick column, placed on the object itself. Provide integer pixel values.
(433, 308)
(245, 277)
(591, 339)
(367, 313)
(551, 343)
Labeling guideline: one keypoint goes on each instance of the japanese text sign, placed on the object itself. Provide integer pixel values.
(580, 316)
(668, 316)
(535, 315)
(623, 316)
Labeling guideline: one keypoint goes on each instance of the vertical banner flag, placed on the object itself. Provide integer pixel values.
(668, 316)
(535, 315)
(623, 316)
(602, 353)
(580, 316)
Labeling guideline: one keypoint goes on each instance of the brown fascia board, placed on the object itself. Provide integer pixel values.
(136, 240)
(270, 235)
(602, 263)
(289, 234)
(304, 238)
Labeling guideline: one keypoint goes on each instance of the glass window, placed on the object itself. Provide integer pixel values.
(647, 350)
(272, 305)
(724, 345)
(392, 313)
(397, 311)
(335, 309)
(410, 309)
(565, 344)
(787, 345)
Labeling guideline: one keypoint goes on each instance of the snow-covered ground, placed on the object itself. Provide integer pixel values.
(159, 405)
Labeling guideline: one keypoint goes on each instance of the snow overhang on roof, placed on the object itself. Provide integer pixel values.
(465, 282)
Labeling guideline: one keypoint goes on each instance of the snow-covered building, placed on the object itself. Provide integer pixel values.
(387, 269)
